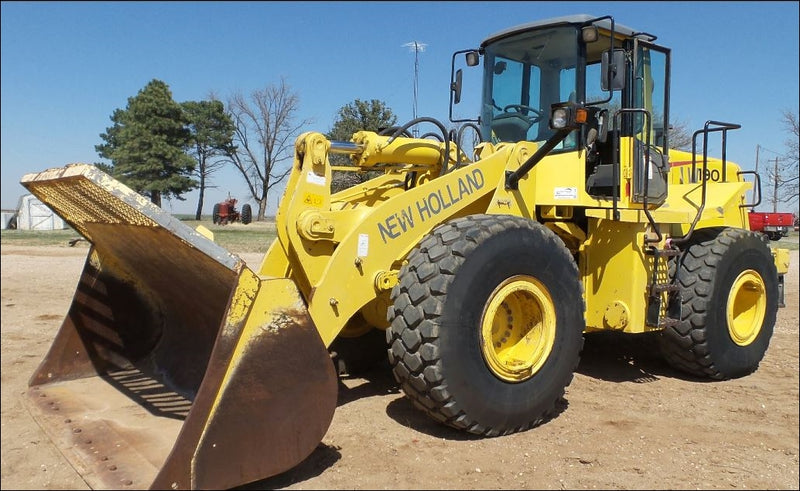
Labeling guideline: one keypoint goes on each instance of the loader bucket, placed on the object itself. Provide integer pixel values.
(176, 366)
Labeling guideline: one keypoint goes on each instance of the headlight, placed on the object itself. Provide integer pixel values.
(567, 115)
(560, 118)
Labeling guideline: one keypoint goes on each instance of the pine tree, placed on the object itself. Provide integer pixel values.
(147, 145)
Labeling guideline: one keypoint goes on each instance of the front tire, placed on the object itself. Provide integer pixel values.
(487, 324)
(729, 297)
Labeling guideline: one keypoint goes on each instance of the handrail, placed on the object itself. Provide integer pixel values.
(723, 127)
(720, 126)
(757, 185)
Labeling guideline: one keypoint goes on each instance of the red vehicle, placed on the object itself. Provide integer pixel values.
(773, 225)
(226, 212)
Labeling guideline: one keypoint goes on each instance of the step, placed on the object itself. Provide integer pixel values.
(668, 322)
(666, 287)
(662, 252)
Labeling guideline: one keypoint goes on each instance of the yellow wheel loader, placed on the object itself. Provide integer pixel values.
(482, 266)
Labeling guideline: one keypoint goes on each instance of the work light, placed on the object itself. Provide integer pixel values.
(567, 115)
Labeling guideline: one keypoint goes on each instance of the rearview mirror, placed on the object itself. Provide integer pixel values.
(473, 58)
(612, 72)
(456, 87)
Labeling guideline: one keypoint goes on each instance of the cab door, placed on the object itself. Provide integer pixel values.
(651, 122)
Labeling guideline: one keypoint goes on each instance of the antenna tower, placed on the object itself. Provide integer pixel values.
(416, 47)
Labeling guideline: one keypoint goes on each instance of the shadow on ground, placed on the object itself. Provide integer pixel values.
(608, 356)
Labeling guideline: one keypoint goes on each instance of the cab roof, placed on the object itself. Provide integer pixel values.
(576, 19)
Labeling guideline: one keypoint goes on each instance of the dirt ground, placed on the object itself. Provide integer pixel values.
(629, 421)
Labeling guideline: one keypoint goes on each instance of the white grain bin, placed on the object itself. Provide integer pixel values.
(32, 214)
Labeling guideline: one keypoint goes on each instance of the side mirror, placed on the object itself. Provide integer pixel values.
(612, 70)
(602, 126)
(456, 87)
(473, 58)
(598, 133)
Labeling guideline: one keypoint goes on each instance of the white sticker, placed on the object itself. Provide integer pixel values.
(565, 193)
(363, 245)
(315, 179)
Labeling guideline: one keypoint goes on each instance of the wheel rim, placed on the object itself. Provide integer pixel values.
(518, 328)
(747, 305)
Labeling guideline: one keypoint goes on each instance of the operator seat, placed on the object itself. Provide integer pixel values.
(511, 126)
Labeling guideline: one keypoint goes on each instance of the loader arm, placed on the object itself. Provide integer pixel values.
(345, 255)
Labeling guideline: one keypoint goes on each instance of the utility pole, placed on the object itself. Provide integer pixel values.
(417, 47)
(775, 189)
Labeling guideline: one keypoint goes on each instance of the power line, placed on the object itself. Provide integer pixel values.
(770, 150)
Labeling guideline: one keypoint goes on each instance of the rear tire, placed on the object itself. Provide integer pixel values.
(459, 344)
(729, 297)
(247, 214)
(215, 214)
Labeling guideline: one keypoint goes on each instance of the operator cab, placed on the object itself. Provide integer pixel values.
(584, 60)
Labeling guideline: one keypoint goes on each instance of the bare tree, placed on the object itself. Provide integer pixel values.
(787, 176)
(680, 137)
(264, 135)
(212, 132)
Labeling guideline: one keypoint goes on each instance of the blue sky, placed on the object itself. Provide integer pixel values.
(66, 66)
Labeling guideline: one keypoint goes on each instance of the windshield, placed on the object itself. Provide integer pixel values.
(524, 75)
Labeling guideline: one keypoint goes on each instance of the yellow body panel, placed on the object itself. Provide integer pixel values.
(781, 257)
(681, 168)
(615, 276)
(683, 203)
(553, 182)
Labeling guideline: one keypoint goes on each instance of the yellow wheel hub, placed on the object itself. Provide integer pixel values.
(518, 328)
(747, 305)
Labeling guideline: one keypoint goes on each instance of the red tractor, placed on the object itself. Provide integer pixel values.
(226, 212)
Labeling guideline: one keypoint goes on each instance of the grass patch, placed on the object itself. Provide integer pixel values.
(237, 238)
(37, 237)
(791, 242)
(253, 237)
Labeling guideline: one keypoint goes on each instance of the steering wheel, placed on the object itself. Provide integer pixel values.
(521, 108)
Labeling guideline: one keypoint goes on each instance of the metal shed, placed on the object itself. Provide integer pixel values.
(9, 219)
(32, 214)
